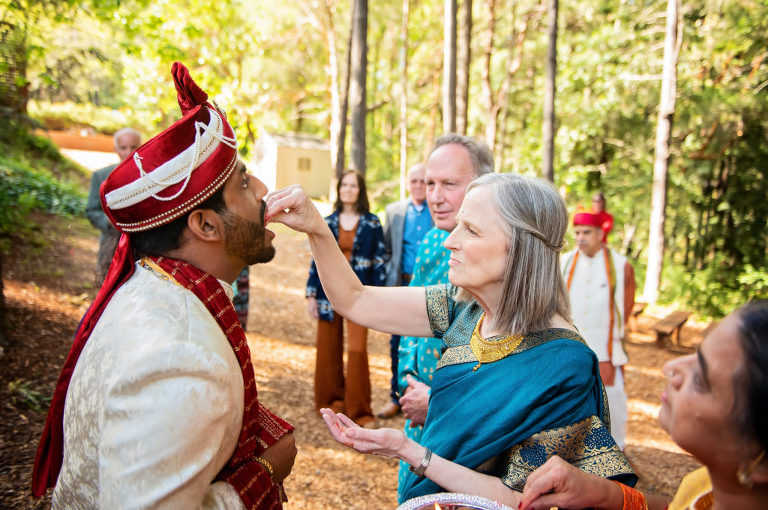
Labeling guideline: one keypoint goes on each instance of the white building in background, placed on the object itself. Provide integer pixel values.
(285, 159)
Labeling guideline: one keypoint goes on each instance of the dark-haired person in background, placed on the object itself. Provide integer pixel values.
(359, 234)
(606, 218)
(714, 407)
(601, 285)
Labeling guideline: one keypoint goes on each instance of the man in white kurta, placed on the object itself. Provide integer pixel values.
(601, 285)
(155, 342)
(157, 405)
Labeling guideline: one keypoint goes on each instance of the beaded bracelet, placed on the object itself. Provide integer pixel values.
(633, 498)
(266, 464)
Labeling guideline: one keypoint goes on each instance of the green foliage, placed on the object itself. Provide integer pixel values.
(65, 115)
(21, 183)
(24, 392)
(268, 65)
(717, 289)
(27, 185)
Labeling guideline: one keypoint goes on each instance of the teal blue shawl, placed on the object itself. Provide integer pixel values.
(508, 417)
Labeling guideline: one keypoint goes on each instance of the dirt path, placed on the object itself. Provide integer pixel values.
(48, 291)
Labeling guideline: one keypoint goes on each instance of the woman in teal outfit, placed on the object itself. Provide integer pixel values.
(515, 384)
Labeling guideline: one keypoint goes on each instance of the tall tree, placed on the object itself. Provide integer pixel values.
(662, 156)
(403, 63)
(497, 101)
(449, 65)
(339, 91)
(357, 89)
(21, 40)
(464, 58)
(548, 122)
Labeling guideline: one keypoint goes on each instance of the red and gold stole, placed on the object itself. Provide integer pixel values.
(261, 428)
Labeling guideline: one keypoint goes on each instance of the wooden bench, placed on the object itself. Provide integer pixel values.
(670, 326)
(637, 309)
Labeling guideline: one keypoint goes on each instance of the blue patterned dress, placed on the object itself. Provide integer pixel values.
(368, 259)
(506, 418)
(418, 356)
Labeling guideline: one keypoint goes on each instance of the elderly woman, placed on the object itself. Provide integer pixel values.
(714, 406)
(515, 383)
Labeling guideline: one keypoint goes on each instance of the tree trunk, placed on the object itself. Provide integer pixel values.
(342, 141)
(333, 71)
(404, 99)
(501, 108)
(485, 74)
(430, 135)
(662, 156)
(464, 58)
(548, 122)
(14, 86)
(449, 66)
(338, 135)
(3, 316)
(357, 91)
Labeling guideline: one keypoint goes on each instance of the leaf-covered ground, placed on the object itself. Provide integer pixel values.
(48, 289)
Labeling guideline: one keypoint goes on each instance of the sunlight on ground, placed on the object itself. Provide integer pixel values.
(278, 288)
(649, 372)
(636, 406)
(92, 160)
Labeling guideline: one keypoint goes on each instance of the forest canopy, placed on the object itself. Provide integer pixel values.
(275, 66)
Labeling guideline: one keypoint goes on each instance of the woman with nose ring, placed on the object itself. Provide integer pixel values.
(715, 406)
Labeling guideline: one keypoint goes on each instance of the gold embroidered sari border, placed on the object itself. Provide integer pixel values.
(437, 298)
(586, 444)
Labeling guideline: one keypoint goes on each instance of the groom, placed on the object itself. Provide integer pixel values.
(156, 405)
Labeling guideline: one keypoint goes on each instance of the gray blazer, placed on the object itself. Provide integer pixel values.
(109, 235)
(93, 209)
(393, 238)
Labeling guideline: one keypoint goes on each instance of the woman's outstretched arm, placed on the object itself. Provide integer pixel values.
(393, 443)
(396, 310)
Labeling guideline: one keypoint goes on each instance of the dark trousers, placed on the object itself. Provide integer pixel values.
(394, 347)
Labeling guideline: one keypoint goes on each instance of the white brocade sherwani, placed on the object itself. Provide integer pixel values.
(154, 407)
(590, 309)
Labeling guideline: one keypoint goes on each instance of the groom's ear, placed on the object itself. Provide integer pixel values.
(206, 225)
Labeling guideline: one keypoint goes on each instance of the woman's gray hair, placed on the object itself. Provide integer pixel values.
(535, 217)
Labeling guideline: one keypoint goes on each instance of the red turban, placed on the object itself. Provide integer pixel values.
(588, 219)
(175, 171)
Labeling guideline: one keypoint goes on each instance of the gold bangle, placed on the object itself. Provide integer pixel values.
(266, 464)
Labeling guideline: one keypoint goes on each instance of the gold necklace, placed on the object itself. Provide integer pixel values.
(489, 351)
(150, 264)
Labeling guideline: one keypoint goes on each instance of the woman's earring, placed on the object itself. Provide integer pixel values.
(744, 474)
